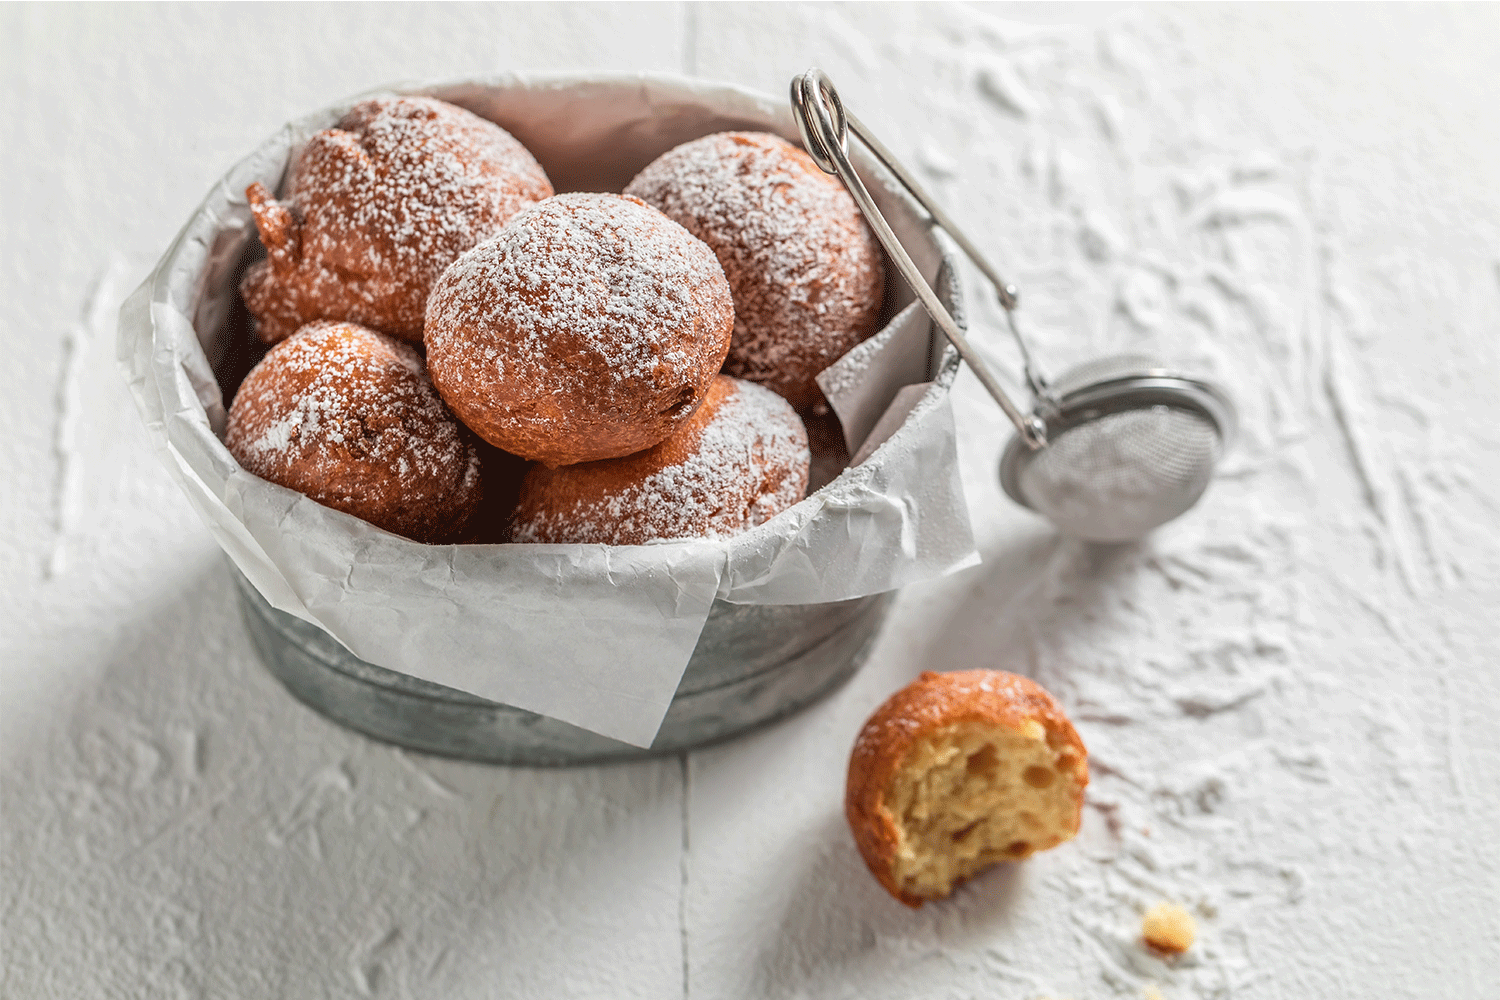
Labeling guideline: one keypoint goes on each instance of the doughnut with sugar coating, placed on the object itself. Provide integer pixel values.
(589, 328)
(348, 417)
(741, 460)
(377, 207)
(807, 274)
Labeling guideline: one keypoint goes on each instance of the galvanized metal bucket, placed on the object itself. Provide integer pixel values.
(752, 664)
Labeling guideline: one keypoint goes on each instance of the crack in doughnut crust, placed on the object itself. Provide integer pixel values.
(589, 328)
(348, 417)
(807, 273)
(741, 460)
(378, 206)
(956, 772)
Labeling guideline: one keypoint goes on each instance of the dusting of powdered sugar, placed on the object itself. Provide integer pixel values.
(587, 311)
(602, 273)
(805, 270)
(741, 461)
(379, 206)
(349, 417)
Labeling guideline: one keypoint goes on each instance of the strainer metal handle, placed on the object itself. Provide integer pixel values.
(824, 124)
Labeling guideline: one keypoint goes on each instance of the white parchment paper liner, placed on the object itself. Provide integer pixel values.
(594, 635)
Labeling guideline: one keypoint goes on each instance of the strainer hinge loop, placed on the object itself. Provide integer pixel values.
(824, 124)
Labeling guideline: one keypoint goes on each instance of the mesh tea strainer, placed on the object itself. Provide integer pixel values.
(1113, 448)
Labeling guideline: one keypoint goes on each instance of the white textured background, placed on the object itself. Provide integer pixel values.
(1289, 696)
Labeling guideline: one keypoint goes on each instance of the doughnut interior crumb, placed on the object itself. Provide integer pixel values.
(1169, 928)
(972, 794)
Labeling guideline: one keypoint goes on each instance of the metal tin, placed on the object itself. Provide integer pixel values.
(752, 664)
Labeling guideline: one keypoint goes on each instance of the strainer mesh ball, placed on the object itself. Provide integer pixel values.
(1116, 477)
(1130, 446)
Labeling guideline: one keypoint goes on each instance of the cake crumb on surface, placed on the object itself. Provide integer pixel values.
(1168, 928)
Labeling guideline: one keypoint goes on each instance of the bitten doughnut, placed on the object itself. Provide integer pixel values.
(741, 460)
(589, 328)
(348, 417)
(806, 271)
(957, 772)
(377, 207)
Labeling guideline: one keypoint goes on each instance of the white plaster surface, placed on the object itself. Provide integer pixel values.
(1289, 696)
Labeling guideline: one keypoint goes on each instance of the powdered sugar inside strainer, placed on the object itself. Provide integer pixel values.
(1114, 448)
(1131, 444)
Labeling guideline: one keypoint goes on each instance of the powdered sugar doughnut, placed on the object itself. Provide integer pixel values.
(348, 417)
(378, 206)
(589, 328)
(741, 460)
(805, 269)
